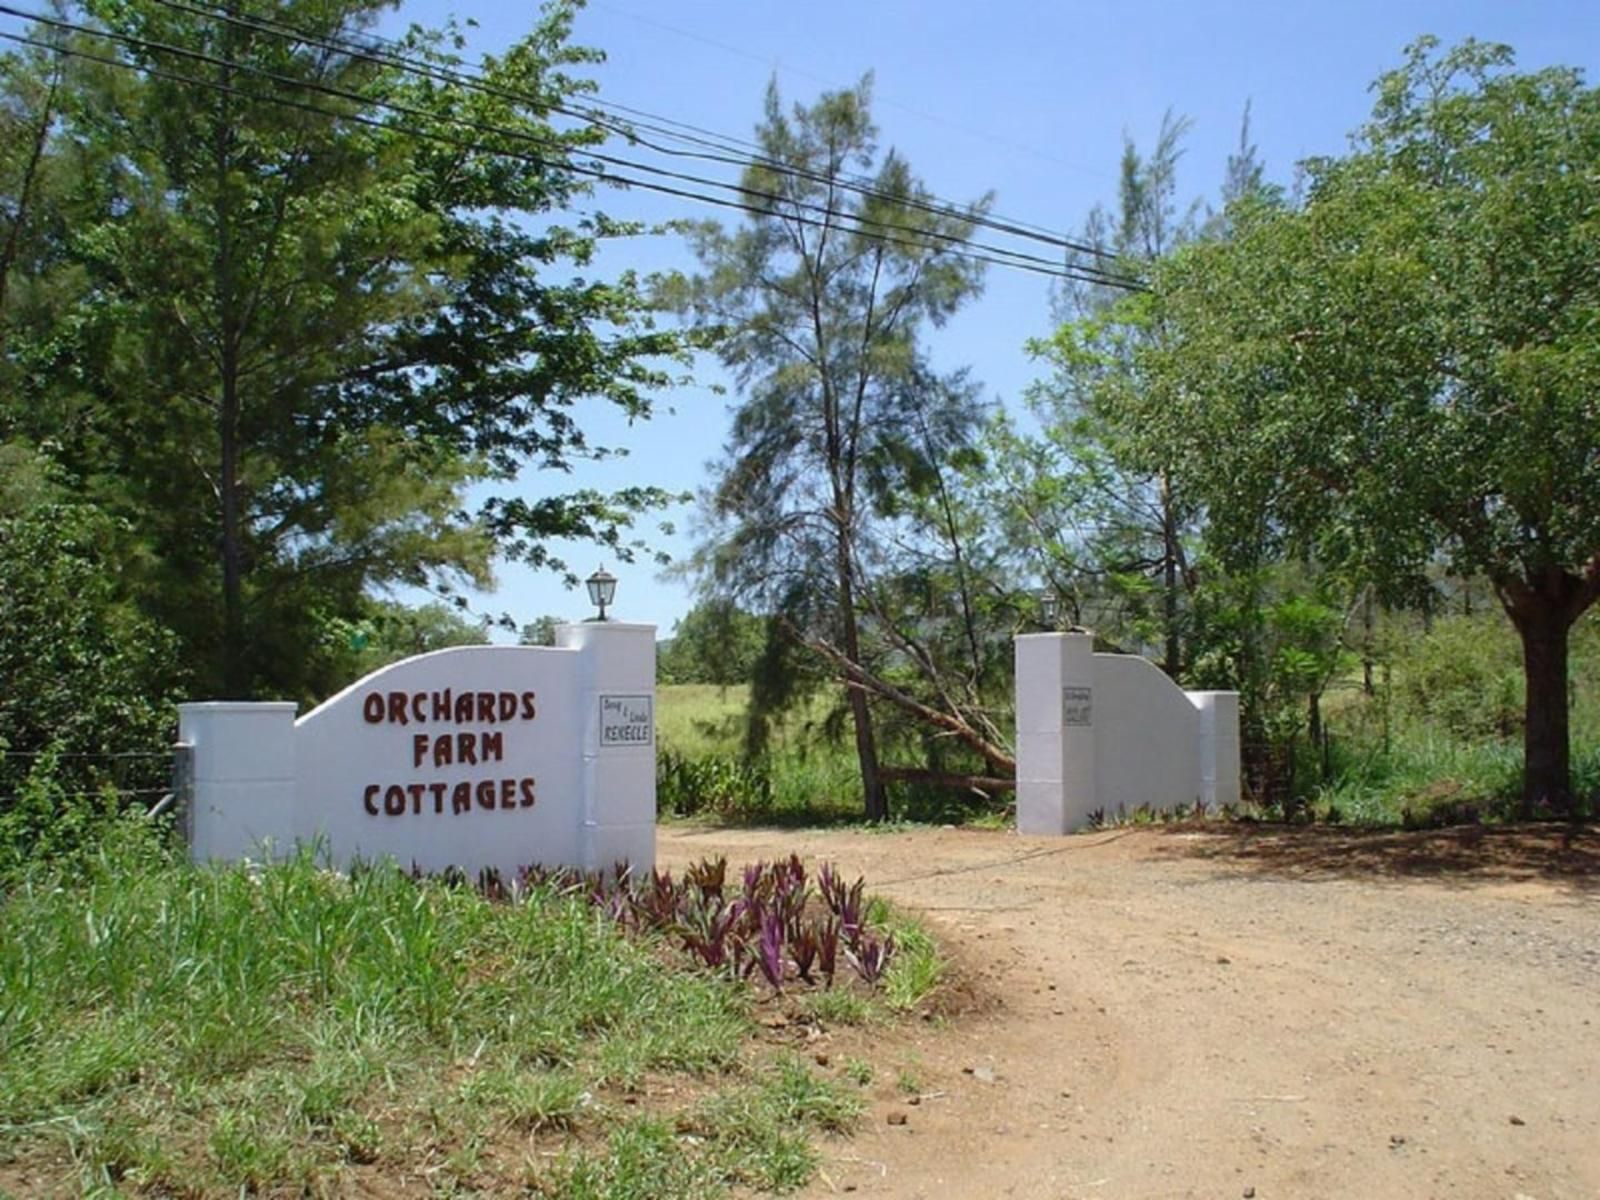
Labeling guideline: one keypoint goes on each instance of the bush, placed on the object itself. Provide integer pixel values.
(719, 784)
(787, 787)
(1464, 676)
(86, 709)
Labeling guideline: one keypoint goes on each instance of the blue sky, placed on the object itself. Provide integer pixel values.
(1030, 100)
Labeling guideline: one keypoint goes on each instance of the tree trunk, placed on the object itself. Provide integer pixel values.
(8, 256)
(1368, 625)
(235, 674)
(1169, 549)
(1543, 607)
(1546, 746)
(876, 802)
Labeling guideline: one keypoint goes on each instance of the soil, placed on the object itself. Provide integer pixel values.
(1250, 1012)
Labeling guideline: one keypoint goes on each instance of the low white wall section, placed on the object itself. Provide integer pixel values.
(1109, 731)
(1145, 731)
(474, 757)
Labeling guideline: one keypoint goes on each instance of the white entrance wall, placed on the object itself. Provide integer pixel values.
(473, 757)
(1103, 731)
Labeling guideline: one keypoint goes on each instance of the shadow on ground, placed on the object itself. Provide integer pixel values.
(1567, 856)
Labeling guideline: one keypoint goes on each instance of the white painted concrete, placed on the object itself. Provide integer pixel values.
(1103, 731)
(474, 757)
(243, 776)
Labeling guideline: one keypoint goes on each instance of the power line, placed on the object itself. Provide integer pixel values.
(394, 56)
(979, 251)
(714, 151)
(856, 184)
(1018, 262)
(933, 118)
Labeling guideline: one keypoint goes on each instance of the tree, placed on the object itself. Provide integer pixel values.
(541, 631)
(714, 642)
(821, 296)
(1407, 364)
(301, 296)
(1125, 534)
(385, 631)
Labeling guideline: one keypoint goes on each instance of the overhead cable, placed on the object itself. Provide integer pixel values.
(885, 231)
(715, 151)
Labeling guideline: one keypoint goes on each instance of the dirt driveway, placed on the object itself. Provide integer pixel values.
(1235, 1014)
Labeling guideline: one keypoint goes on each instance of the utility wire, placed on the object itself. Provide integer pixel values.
(980, 251)
(1019, 262)
(714, 152)
(599, 119)
(395, 55)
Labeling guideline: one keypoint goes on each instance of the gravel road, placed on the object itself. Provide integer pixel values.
(1245, 1013)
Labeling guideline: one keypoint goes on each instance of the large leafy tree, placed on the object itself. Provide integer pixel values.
(286, 298)
(821, 296)
(715, 642)
(1408, 364)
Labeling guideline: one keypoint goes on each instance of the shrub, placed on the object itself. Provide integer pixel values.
(87, 685)
(1464, 675)
(720, 784)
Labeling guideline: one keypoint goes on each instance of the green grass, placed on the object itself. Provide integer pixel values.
(805, 778)
(701, 718)
(917, 968)
(166, 1029)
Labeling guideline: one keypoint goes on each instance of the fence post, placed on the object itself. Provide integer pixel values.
(183, 788)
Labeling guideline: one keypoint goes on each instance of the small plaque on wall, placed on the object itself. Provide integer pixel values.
(1076, 706)
(627, 721)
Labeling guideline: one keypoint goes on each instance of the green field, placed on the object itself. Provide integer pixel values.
(804, 778)
(701, 718)
(1438, 742)
(174, 1030)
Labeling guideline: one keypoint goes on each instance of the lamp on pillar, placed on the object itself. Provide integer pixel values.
(602, 587)
(1050, 609)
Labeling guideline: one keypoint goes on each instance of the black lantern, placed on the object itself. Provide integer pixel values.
(602, 590)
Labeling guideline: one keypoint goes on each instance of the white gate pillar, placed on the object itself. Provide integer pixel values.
(243, 793)
(616, 694)
(1055, 732)
(1112, 732)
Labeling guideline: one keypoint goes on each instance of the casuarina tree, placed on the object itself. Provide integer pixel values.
(820, 299)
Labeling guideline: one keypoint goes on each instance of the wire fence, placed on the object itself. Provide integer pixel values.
(127, 776)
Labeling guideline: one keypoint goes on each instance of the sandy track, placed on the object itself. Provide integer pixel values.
(1307, 1014)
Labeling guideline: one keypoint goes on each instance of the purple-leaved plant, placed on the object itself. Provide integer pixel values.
(770, 949)
(870, 957)
(709, 875)
(828, 949)
(803, 945)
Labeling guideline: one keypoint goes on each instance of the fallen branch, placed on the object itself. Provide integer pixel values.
(857, 676)
(972, 783)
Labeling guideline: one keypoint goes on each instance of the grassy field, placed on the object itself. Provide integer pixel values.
(701, 718)
(171, 1030)
(805, 779)
(1440, 742)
